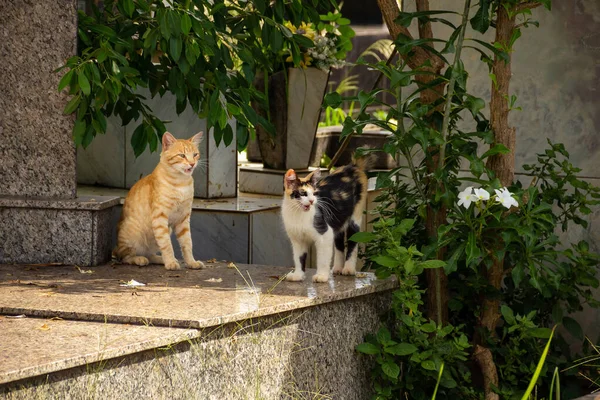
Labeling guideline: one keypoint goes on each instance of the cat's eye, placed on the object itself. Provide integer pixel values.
(303, 193)
(196, 155)
(182, 155)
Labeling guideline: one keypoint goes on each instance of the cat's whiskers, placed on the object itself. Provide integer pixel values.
(327, 207)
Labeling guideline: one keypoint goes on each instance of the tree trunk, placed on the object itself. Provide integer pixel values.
(503, 166)
(437, 281)
(417, 58)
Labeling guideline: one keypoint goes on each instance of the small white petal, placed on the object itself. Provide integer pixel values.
(482, 194)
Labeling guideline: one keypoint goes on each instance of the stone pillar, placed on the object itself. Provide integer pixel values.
(37, 155)
(41, 217)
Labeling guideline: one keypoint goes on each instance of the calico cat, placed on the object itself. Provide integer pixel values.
(325, 212)
(158, 203)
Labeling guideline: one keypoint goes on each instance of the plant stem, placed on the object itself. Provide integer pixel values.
(452, 83)
(445, 124)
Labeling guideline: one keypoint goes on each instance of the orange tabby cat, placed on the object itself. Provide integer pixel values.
(158, 203)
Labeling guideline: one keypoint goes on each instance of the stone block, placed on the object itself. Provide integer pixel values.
(38, 230)
(257, 179)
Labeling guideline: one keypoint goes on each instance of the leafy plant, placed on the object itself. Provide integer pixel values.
(411, 352)
(506, 274)
(204, 52)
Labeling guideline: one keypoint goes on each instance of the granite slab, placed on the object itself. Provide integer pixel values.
(29, 345)
(245, 203)
(88, 203)
(221, 293)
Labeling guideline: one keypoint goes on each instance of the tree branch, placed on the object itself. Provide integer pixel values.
(390, 11)
(425, 30)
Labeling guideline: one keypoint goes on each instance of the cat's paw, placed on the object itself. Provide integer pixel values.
(349, 271)
(320, 278)
(337, 270)
(295, 276)
(139, 260)
(172, 265)
(195, 264)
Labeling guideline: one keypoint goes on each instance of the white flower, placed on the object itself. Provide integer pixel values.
(466, 197)
(505, 198)
(482, 194)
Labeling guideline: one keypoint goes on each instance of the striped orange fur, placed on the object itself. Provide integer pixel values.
(159, 203)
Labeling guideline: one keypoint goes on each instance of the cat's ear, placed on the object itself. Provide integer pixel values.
(291, 180)
(315, 176)
(168, 140)
(197, 138)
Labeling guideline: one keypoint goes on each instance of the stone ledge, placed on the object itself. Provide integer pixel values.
(86, 203)
(220, 294)
(81, 343)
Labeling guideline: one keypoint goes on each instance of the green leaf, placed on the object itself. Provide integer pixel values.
(186, 24)
(573, 327)
(475, 104)
(175, 46)
(518, 274)
(151, 137)
(401, 349)
(399, 78)
(333, 100)
(497, 149)
(508, 314)
(547, 4)
(84, 83)
(88, 136)
(433, 264)
(428, 327)
(391, 369)
(428, 365)
(72, 105)
(79, 131)
(472, 250)
(557, 313)
(367, 348)
(65, 80)
(242, 136)
(363, 237)
(384, 335)
(476, 166)
(409, 266)
(542, 333)
(303, 41)
(227, 135)
(538, 369)
(365, 98)
(129, 7)
(481, 21)
(386, 261)
(139, 140)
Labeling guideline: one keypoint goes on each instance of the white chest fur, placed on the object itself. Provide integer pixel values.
(298, 223)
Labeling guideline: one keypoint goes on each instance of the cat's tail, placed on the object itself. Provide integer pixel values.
(364, 160)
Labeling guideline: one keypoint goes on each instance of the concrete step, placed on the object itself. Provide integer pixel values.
(224, 332)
